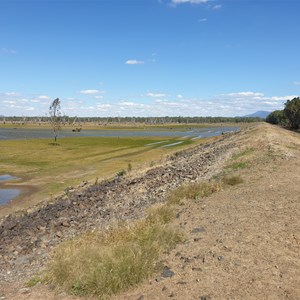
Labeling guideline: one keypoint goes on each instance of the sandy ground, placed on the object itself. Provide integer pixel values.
(240, 243)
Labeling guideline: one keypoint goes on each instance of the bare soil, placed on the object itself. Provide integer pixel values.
(240, 243)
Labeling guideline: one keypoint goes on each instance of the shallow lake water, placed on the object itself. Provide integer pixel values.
(8, 194)
(25, 133)
(6, 177)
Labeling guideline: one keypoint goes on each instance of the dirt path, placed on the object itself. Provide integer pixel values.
(242, 242)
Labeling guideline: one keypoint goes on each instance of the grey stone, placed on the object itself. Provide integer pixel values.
(25, 291)
(167, 272)
(198, 230)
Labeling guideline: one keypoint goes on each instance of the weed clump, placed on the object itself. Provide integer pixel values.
(193, 191)
(246, 152)
(105, 263)
(121, 173)
(233, 180)
(237, 166)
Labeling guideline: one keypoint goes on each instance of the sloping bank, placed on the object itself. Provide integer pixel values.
(26, 240)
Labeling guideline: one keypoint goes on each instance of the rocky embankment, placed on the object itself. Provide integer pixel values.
(27, 239)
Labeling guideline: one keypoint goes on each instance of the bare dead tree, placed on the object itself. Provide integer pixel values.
(55, 117)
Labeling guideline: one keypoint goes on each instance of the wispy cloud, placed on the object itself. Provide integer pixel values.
(296, 83)
(217, 6)
(91, 92)
(156, 95)
(43, 97)
(153, 104)
(190, 1)
(245, 94)
(11, 94)
(134, 62)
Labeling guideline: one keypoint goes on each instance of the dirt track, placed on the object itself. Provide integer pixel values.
(241, 243)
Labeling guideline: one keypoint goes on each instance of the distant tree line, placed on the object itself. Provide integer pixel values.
(289, 116)
(66, 120)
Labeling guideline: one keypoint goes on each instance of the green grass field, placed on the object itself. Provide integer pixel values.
(52, 168)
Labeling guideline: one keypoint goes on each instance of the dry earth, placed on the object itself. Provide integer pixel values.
(240, 243)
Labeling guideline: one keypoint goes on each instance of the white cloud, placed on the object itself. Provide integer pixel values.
(246, 94)
(283, 98)
(99, 97)
(11, 94)
(158, 104)
(190, 1)
(9, 102)
(203, 20)
(296, 83)
(217, 6)
(134, 62)
(156, 95)
(91, 92)
(43, 97)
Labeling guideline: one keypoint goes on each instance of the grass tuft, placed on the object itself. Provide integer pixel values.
(194, 191)
(105, 263)
(246, 152)
(33, 281)
(121, 173)
(233, 180)
(237, 166)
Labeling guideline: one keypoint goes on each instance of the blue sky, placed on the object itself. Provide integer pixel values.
(148, 57)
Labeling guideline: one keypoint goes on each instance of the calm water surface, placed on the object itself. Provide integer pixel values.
(8, 194)
(24, 133)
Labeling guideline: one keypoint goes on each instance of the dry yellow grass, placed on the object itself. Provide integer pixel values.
(105, 263)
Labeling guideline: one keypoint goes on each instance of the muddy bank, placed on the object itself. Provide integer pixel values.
(26, 240)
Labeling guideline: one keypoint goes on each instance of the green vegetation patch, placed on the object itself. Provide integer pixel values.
(76, 158)
(242, 153)
(105, 263)
(237, 166)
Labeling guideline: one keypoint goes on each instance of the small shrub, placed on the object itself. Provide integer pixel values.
(121, 173)
(233, 180)
(129, 167)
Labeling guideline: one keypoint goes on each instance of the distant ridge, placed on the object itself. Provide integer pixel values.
(259, 114)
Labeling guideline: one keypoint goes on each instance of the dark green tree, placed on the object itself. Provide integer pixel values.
(55, 117)
(277, 117)
(292, 112)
